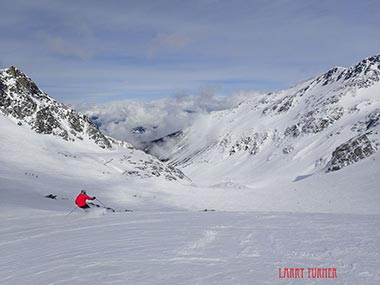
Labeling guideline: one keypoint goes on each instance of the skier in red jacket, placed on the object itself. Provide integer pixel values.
(82, 198)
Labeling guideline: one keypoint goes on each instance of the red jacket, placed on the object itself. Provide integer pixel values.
(81, 200)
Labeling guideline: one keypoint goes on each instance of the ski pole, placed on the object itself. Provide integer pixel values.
(100, 202)
(71, 211)
(109, 208)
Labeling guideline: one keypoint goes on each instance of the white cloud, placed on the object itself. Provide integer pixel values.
(158, 117)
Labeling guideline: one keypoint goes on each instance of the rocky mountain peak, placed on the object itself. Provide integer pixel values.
(361, 75)
(366, 72)
(24, 102)
(21, 82)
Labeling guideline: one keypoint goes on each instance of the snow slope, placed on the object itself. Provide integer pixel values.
(34, 165)
(47, 247)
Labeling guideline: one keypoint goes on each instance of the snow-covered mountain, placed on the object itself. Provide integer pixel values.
(323, 131)
(46, 147)
(339, 108)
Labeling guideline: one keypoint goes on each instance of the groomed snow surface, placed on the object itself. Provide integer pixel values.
(180, 247)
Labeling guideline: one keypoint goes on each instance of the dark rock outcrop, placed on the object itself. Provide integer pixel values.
(21, 99)
(352, 151)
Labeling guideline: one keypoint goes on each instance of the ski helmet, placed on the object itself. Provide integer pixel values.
(83, 191)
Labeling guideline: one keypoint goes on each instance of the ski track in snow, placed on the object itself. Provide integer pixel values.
(186, 248)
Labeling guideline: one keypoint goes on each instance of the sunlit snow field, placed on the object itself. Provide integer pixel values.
(49, 247)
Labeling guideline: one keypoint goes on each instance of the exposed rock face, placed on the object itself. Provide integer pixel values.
(352, 151)
(371, 121)
(21, 99)
(250, 144)
(293, 131)
(151, 168)
(314, 123)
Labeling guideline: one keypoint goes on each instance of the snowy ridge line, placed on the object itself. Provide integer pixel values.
(338, 111)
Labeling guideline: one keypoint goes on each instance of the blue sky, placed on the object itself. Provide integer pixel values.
(101, 51)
